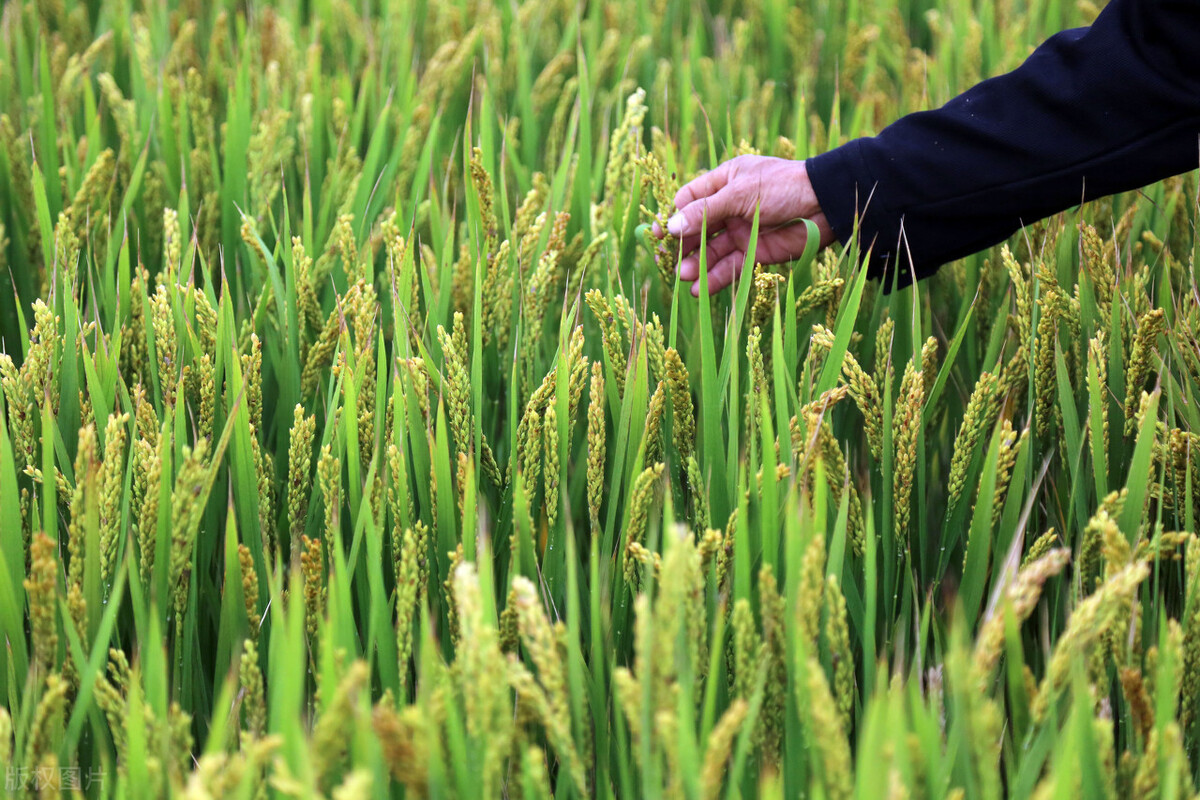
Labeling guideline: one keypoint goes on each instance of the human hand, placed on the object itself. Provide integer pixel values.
(723, 201)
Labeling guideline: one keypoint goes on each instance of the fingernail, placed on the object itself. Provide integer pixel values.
(675, 225)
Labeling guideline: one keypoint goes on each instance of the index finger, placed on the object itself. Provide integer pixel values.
(703, 186)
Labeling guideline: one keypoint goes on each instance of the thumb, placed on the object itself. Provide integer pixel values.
(709, 213)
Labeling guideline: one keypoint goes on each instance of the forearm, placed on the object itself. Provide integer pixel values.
(1092, 112)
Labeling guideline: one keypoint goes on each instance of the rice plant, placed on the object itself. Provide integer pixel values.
(357, 441)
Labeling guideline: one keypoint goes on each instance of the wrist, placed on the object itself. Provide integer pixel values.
(825, 231)
(812, 207)
(833, 181)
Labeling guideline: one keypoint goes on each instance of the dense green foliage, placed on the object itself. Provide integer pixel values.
(355, 440)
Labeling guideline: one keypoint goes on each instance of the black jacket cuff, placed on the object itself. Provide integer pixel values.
(845, 191)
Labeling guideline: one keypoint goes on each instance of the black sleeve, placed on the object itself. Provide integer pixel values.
(1091, 112)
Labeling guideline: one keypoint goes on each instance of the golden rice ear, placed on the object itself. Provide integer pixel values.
(908, 424)
(112, 474)
(978, 418)
(1137, 372)
(596, 445)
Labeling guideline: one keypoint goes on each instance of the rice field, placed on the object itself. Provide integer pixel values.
(358, 441)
